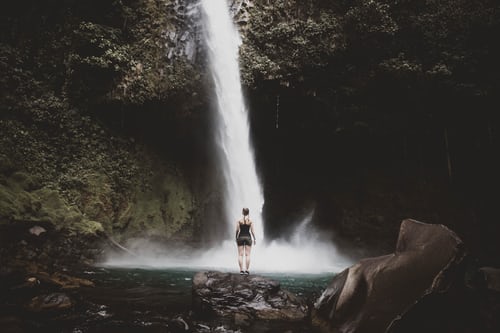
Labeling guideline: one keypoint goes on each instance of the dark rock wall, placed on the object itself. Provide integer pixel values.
(374, 111)
(367, 111)
(98, 100)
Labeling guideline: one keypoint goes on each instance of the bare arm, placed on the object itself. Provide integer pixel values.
(253, 233)
(237, 228)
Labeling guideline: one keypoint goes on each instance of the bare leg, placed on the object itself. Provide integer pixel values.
(240, 256)
(248, 250)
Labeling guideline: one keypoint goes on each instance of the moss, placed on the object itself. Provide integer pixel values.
(26, 181)
(95, 199)
(53, 208)
(6, 165)
(8, 207)
(19, 205)
(286, 39)
(83, 185)
(179, 201)
(60, 166)
(164, 210)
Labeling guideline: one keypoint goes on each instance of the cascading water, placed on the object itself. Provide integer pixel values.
(242, 185)
(305, 251)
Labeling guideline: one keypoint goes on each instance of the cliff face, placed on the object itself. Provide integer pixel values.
(373, 111)
(105, 117)
(370, 111)
(81, 83)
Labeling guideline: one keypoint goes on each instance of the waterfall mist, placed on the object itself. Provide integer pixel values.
(305, 251)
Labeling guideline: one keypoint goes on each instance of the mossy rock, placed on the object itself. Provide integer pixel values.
(56, 210)
(96, 199)
(18, 205)
(8, 204)
(164, 211)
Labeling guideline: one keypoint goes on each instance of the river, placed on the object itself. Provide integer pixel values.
(142, 300)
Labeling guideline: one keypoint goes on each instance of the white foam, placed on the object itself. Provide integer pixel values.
(306, 252)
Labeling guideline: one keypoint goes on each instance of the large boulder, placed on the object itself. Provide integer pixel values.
(251, 301)
(373, 295)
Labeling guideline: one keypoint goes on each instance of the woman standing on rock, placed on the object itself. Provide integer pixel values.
(244, 235)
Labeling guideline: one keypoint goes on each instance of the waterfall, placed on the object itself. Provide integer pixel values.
(242, 184)
(305, 250)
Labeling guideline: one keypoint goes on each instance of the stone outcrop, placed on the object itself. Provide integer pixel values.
(240, 11)
(245, 301)
(54, 302)
(374, 294)
(182, 39)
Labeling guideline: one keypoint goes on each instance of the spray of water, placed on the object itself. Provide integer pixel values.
(306, 250)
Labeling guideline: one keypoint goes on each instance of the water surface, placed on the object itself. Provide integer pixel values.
(131, 298)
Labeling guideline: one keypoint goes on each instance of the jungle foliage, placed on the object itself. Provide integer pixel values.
(93, 51)
(391, 103)
(374, 106)
(67, 65)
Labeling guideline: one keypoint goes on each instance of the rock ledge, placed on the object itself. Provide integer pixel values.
(245, 300)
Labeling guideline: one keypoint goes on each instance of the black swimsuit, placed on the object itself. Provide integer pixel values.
(244, 237)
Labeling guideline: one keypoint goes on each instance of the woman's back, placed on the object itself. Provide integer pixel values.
(245, 228)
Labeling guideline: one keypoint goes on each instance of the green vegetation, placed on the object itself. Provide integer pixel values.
(93, 52)
(354, 104)
(287, 38)
(66, 65)
(403, 94)
(355, 45)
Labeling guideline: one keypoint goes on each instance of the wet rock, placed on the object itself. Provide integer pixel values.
(371, 295)
(491, 278)
(70, 282)
(58, 281)
(50, 302)
(201, 328)
(181, 39)
(245, 301)
(239, 10)
(180, 324)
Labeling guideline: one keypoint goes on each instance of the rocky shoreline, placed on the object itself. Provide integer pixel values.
(428, 284)
(250, 302)
(36, 274)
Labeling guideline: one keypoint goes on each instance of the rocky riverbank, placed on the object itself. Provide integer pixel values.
(252, 303)
(430, 283)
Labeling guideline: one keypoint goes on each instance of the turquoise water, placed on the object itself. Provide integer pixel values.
(125, 297)
(309, 286)
(143, 300)
(181, 278)
(175, 284)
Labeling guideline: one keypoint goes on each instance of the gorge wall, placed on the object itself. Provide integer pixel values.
(367, 111)
(98, 101)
